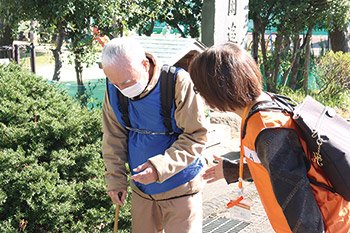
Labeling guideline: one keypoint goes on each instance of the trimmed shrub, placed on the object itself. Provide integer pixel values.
(51, 168)
(333, 74)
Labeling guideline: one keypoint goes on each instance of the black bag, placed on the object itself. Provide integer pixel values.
(327, 136)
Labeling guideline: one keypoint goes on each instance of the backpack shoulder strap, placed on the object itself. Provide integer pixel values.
(124, 105)
(279, 103)
(167, 93)
(124, 108)
(260, 106)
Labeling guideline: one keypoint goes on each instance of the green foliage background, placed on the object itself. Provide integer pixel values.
(51, 168)
(333, 74)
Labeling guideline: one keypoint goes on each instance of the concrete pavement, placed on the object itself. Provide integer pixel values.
(216, 195)
(68, 72)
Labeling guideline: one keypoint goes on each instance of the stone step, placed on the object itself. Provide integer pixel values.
(227, 118)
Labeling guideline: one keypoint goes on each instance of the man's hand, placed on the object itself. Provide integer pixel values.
(215, 172)
(116, 198)
(147, 175)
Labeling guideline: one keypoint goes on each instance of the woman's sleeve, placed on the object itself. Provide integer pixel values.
(231, 171)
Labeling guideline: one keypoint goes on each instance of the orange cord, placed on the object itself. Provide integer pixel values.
(240, 179)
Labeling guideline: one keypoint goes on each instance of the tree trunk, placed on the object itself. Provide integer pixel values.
(294, 73)
(79, 73)
(295, 69)
(57, 54)
(78, 70)
(340, 39)
(6, 38)
(293, 63)
(121, 28)
(277, 61)
(307, 60)
(181, 32)
(193, 31)
(139, 31)
(265, 63)
(32, 33)
(79, 76)
(114, 23)
(150, 30)
(255, 43)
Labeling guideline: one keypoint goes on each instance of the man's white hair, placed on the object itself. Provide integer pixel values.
(123, 48)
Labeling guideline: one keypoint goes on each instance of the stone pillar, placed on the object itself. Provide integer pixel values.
(225, 20)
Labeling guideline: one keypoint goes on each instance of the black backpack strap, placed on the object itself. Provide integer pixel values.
(124, 108)
(280, 103)
(107, 87)
(124, 105)
(167, 93)
(312, 181)
(285, 102)
(260, 106)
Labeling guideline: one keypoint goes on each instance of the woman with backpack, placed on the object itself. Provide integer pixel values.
(228, 78)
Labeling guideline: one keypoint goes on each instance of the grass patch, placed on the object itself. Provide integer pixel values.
(42, 58)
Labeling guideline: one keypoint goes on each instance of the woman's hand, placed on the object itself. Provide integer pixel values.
(214, 173)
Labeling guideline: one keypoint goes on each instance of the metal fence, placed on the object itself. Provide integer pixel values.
(12, 52)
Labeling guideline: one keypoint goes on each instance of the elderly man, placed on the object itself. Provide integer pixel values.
(165, 164)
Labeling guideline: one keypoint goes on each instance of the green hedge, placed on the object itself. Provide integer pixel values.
(51, 169)
(333, 74)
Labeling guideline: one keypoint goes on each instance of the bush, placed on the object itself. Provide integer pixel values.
(340, 104)
(51, 168)
(333, 74)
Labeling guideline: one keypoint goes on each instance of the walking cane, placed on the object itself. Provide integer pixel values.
(117, 214)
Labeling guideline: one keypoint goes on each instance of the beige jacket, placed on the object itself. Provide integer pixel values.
(189, 116)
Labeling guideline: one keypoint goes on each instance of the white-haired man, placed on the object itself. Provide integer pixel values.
(165, 166)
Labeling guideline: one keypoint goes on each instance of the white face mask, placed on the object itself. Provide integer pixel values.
(134, 90)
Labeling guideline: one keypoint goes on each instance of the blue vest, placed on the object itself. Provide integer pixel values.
(146, 116)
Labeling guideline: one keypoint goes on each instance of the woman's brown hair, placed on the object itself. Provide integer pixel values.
(226, 76)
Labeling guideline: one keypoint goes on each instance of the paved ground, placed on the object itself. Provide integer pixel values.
(217, 195)
(68, 72)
